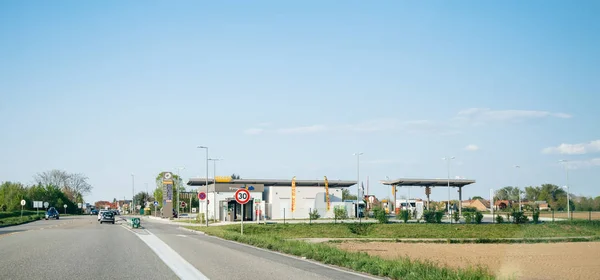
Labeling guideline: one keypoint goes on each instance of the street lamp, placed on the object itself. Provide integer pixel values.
(357, 181)
(132, 192)
(203, 147)
(177, 188)
(448, 159)
(519, 190)
(567, 186)
(214, 160)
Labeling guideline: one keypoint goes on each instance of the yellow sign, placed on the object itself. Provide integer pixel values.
(393, 190)
(223, 179)
(327, 192)
(293, 194)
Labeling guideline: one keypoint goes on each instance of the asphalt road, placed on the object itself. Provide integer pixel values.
(78, 247)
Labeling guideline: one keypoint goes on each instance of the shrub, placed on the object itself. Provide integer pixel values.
(429, 216)
(380, 215)
(339, 212)
(200, 218)
(314, 214)
(478, 217)
(359, 228)
(405, 215)
(519, 217)
(536, 216)
(468, 217)
(499, 219)
(456, 216)
(438, 216)
(469, 209)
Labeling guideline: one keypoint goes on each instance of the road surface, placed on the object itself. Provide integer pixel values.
(78, 247)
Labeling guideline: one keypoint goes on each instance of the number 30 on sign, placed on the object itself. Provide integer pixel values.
(242, 196)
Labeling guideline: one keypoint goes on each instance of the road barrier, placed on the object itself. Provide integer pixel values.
(134, 222)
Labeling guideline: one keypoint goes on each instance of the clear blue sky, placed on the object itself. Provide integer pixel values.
(280, 89)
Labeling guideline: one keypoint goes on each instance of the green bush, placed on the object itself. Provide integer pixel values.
(519, 217)
(536, 216)
(499, 219)
(405, 215)
(468, 217)
(360, 228)
(429, 216)
(314, 214)
(456, 216)
(469, 209)
(339, 212)
(380, 215)
(478, 217)
(438, 216)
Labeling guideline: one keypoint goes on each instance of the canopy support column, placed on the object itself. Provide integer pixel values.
(460, 201)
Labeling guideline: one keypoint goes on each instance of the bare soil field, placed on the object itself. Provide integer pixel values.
(579, 260)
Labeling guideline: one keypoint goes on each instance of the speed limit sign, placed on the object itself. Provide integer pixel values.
(242, 196)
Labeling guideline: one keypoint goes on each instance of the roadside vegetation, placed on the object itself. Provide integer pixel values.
(410, 230)
(13, 218)
(401, 268)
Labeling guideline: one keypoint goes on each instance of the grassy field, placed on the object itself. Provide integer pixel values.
(400, 268)
(557, 229)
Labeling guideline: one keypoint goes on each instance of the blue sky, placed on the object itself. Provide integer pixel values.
(280, 89)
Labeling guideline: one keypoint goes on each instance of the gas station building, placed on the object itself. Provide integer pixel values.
(270, 199)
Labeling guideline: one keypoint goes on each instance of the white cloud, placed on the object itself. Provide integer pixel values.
(574, 149)
(254, 131)
(483, 115)
(303, 129)
(472, 148)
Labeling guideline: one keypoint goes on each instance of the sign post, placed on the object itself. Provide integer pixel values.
(22, 204)
(65, 208)
(202, 197)
(242, 196)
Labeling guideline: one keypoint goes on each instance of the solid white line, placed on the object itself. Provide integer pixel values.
(174, 261)
(289, 256)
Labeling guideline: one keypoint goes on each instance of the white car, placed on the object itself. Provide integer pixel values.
(100, 213)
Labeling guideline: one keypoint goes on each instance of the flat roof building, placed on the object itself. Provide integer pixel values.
(270, 199)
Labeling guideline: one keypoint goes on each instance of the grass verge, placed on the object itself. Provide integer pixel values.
(402, 268)
(13, 221)
(446, 231)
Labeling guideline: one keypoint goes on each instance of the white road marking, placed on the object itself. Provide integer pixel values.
(174, 261)
(181, 235)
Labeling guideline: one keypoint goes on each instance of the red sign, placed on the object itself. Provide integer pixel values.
(242, 196)
(202, 195)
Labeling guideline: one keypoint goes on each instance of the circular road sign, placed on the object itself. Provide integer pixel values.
(46, 204)
(202, 195)
(242, 196)
(65, 206)
(23, 202)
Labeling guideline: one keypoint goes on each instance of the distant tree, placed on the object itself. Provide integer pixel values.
(235, 176)
(11, 195)
(477, 197)
(73, 185)
(142, 197)
(347, 196)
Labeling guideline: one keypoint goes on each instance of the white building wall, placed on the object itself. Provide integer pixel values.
(224, 196)
(307, 198)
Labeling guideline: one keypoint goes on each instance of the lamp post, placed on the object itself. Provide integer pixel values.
(519, 190)
(567, 187)
(177, 188)
(206, 184)
(132, 192)
(357, 181)
(214, 160)
(448, 159)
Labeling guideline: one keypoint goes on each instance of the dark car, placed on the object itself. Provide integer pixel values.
(94, 212)
(52, 213)
(108, 217)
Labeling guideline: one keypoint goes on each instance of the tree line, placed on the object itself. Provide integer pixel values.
(555, 196)
(56, 187)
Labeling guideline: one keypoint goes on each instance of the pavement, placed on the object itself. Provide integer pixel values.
(78, 247)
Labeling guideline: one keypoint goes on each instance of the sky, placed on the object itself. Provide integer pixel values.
(278, 89)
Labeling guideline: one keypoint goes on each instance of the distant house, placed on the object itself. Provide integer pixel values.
(502, 204)
(479, 204)
(543, 205)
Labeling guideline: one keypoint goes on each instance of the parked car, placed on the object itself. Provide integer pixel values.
(52, 213)
(94, 212)
(108, 217)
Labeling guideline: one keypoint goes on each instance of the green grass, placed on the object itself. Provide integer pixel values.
(488, 231)
(401, 268)
(13, 221)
